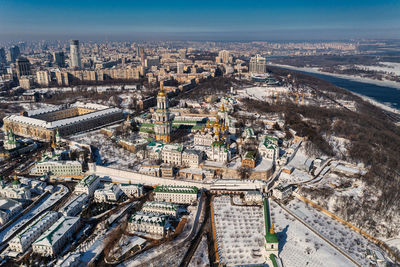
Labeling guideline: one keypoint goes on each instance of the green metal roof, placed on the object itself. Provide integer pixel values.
(176, 189)
(270, 238)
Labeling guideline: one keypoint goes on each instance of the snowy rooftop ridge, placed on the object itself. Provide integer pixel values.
(148, 218)
(100, 111)
(161, 205)
(176, 189)
(56, 231)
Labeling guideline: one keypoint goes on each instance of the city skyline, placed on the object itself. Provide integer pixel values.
(178, 20)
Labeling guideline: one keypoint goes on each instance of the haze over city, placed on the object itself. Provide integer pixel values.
(208, 20)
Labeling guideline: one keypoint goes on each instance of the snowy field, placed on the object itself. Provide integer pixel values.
(343, 76)
(200, 257)
(387, 67)
(297, 176)
(110, 153)
(342, 236)
(299, 246)
(239, 231)
(261, 93)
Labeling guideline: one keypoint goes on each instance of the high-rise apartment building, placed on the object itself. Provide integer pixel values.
(23, 67)
(258, 64)
(179, 67)
(3, 59)
(14, 53)
(224, 56)
(75, 56)
(43, 77)
(59, 59)
(152, 61)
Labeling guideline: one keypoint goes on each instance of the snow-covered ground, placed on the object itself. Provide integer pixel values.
(111, 154)
(298, 175)
(387, 67)
(170, 253)
(261, 92)
(342, 236)
(200, 257)
(239, 231)
(343, 76)
(299, 246)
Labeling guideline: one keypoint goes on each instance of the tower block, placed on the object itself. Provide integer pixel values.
(162, 123)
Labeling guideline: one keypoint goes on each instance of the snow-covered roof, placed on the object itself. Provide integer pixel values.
(100, 112)
(37, 225)
(57, 231)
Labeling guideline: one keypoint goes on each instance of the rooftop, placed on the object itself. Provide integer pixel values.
(176, 189)
(56, 231)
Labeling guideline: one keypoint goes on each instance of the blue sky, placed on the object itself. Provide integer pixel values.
(290, 19)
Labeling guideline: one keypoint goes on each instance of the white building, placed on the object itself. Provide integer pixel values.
(172, 154)
(163, 208)
(253, 197)
(282, 191)
(176, 194)
(148, 223)
(219, 152)
(110, 192)
(75, 205)
(203, 139)
(24, 239)
(8, 209)
(132, 190)
(62, 167)
(258, 65)
(53, 240)
(15, 190)
(191, 158)
(87, 185)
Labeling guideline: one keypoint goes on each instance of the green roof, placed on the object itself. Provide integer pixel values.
(218, 143)
(146, 130)
(270, 238)
(176, 189)
(147, 125)
(273, 259)
(250, 155)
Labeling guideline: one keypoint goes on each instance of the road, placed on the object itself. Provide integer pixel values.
(196, 240)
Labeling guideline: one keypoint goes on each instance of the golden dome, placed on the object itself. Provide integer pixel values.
(162, 93)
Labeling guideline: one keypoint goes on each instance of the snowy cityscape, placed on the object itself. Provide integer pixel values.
(198, 151)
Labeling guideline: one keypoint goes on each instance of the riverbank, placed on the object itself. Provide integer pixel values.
(342, 76)
(384, 97)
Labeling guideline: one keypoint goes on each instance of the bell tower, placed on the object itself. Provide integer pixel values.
(163, 124)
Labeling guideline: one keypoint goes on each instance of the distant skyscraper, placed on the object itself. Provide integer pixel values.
(75, 56)
(152, 61)
(23, 67)
(258, 64)
(225, 56)
(14, 53)
(179, 67)
(59, 59)
(182, 53)
(3, 59)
